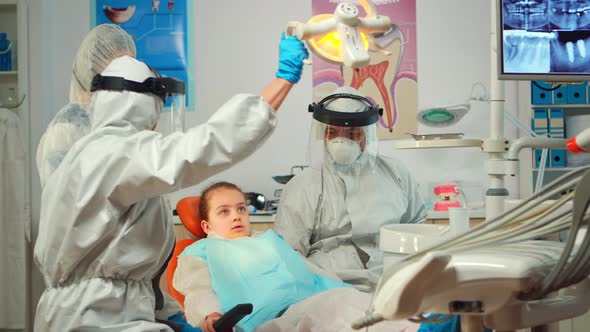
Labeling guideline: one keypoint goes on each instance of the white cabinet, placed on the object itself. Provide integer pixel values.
(572, 104)
(9, 25)
(14, 22)
(560, 111)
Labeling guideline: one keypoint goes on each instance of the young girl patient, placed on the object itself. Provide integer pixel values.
(233, 266)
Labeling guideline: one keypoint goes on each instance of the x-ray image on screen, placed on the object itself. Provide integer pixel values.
(548, 38)
(527, 52)
(569, 14)
(525, 14)
(570, 51)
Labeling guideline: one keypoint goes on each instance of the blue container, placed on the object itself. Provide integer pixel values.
(576, 94)
(558, 158)
(560, 95)
(5, 54)
(541, 94)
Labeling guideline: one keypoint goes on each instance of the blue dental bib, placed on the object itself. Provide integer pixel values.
(262, 270)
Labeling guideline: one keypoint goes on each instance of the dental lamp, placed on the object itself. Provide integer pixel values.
(444, 116)
(342, 38)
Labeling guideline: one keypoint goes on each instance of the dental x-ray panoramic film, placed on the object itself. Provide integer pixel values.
(544, 40)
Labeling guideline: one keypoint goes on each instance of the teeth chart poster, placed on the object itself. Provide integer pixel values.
(389, 80)
(159, 29)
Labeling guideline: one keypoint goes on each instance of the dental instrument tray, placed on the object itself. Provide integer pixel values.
(429, 137)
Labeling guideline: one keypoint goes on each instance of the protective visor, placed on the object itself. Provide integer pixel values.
(346, 127)
(360, 118)
(171, 91)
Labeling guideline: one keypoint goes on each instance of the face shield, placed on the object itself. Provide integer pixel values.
(344, 133)
(170, 90)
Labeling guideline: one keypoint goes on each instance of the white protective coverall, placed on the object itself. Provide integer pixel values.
(105, 230)
(356, 202)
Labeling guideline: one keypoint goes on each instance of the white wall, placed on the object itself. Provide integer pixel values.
(453, 55)
(236, 51)
(242, 57)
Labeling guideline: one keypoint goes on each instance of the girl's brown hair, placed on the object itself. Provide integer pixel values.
(205, 196)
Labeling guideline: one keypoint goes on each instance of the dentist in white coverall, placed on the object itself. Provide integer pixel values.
(100, 46)
(105, 229)
(331, 212)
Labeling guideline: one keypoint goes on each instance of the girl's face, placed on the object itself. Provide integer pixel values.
(228, 214)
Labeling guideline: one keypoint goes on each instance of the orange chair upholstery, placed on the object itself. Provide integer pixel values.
(188, 212)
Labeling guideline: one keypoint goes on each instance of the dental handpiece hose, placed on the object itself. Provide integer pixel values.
(580, 143)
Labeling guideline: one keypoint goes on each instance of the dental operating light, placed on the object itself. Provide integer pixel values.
(343, 38)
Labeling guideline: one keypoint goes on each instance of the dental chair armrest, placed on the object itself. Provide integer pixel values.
(226, 322)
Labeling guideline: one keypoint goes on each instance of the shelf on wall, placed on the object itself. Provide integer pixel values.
(557, 169)
(437, 144)
(587, 106)
(8, 2)
(8, 73)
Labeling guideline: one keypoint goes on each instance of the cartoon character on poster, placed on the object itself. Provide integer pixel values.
(388, 80)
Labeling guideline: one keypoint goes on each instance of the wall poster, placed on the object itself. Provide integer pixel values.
(389, 80)
(159, 28)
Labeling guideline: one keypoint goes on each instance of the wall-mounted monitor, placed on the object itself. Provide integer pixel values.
(544, 40)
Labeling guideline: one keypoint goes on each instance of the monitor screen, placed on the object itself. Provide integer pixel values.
(544, 40)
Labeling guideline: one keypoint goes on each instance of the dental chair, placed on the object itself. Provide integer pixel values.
(188, 212)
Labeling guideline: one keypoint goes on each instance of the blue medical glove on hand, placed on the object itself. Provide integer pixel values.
(292, 52)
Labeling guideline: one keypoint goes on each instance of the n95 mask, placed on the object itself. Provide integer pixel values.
(343, 151)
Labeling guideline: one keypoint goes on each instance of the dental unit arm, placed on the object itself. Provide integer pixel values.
(354, 33)
(499, 271)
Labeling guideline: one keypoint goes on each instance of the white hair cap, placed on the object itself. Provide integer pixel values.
(100, 46)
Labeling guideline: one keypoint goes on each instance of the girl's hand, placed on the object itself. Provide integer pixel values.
(210, 319)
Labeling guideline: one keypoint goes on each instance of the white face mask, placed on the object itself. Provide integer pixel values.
(343, 150)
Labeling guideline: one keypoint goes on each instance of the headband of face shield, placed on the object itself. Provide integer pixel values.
(170, 90)
(347, 125)
(163, 87)
(360, 118)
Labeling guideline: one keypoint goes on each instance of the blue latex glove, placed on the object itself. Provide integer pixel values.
(292, 52)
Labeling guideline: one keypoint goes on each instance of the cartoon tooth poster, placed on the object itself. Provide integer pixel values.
(389, 80)
(159, 29)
